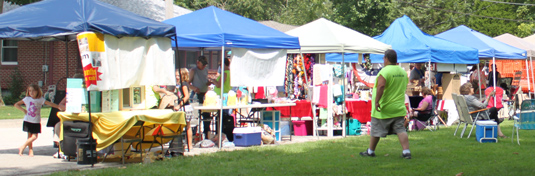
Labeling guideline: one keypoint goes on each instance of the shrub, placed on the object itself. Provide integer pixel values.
(16, 88)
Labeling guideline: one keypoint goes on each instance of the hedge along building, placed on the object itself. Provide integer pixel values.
(45, 62)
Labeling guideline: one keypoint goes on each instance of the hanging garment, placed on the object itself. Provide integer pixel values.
(317, 77)
(316, 95)
(259, 93)
(326, 72)
(324, 114)
(289, 79)
(323, 100)
(337, 90)
(337, 70)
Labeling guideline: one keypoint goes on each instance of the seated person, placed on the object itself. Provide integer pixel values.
(423, 111)
(474, 104)
(498, 94)
(166, 96)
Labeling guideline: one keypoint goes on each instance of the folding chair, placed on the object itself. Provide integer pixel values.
(525, 119)
(164, 133)
(430, 120)
(465, 116)
(129, 138)
(137, 137)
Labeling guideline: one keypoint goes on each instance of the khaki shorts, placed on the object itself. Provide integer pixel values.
(383, 127)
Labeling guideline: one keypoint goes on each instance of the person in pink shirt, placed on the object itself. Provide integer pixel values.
(423, 111)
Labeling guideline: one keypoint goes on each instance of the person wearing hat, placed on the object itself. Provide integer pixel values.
(198, 80)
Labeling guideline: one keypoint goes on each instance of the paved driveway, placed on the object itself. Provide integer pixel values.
(12, 137)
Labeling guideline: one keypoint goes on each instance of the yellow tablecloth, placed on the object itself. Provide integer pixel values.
(110, 127)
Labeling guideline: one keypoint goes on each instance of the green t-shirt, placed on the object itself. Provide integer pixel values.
(226, 85)
(393, 100)
(152, 98)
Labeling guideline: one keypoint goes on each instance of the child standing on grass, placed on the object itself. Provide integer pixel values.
(32, 115)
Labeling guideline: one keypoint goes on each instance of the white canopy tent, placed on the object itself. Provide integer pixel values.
(324, 36)
(522, 44)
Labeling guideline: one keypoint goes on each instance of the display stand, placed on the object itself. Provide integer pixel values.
(330, 119)
(273, 120)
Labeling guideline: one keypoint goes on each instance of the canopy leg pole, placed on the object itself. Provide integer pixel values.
(494, 76)
(67, 58)
(479, 80)
(343, 94)
(222, 90)
(527, 76)
(314, 120)
(429, 74)
(180, 87)
(532, 76)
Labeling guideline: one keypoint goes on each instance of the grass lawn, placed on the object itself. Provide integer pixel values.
(10, 112)
(434, 153)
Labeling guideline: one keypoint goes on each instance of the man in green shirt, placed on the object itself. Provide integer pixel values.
(388, 105)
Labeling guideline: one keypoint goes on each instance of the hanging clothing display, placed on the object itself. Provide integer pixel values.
(295, 79)
(289, 76)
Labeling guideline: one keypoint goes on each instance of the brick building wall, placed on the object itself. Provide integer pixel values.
(32, 55)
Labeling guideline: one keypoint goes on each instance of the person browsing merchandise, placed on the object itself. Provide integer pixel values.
(198, 80)
(226, 74)
(388, 105)
(417, 75)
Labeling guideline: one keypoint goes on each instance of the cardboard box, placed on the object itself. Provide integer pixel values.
(451, 83)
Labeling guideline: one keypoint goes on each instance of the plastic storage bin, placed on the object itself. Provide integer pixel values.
(300, 128)
(247, 136)
(353, 127)
(486, 131)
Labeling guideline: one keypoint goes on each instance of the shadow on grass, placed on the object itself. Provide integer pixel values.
(434, 153)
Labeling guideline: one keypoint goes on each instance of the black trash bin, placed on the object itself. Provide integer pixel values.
(85, 146)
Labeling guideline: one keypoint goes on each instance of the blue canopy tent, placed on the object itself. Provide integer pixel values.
(486, 46)
(414, 46)
(213, 29)
(61, 20)
(54, 20)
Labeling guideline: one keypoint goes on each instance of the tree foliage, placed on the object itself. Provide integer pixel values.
(372, 17)
(21, 2)
(365, 16)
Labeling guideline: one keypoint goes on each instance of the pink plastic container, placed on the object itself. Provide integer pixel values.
(300, 128)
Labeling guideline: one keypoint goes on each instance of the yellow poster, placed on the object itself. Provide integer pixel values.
(91, 46)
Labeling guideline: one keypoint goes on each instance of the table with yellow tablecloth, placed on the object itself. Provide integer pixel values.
(111, 126)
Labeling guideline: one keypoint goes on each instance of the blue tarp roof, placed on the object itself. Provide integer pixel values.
(412, 45)
(487, 46)
(337, 57)
(60, 18)
(213, 27)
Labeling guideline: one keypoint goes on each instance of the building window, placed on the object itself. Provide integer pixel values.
(9, 52)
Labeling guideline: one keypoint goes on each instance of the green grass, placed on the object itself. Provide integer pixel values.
(10, 112)
(434, 153)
